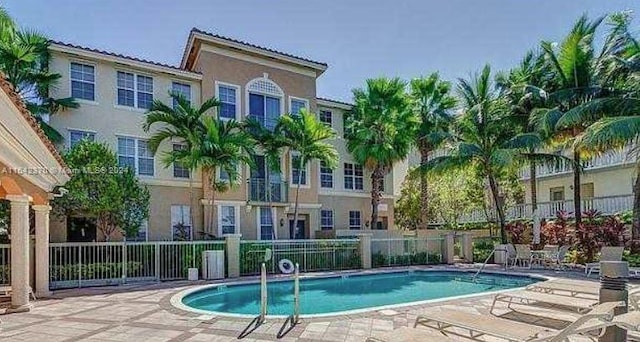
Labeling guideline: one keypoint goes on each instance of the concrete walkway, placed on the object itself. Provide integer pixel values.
(143, 313)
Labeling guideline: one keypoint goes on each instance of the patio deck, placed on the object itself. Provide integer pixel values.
(144, 313)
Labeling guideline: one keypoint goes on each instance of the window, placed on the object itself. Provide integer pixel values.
(264, 109)
(228, 102)
(135, 154)
(297, 174)
(83, 82)
(326, 176)
(228, 217)
(557, 193)
(182, 89)
(179, 169)
(326, 219)
(181, 223)
(325, 117)
(353, 177)
(587, 190)
(355, 221)
(76, 137)
(138, 93)
(296, 105)
(266, 223)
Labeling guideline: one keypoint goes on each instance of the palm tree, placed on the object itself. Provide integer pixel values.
(481, 134)
(182, 122)
(307, 137)
(380, 131)
(24, 60)
(575, 65)
(531, 73)
(224, 145)
(431, 102)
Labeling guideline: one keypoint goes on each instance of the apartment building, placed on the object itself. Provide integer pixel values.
(115, 91)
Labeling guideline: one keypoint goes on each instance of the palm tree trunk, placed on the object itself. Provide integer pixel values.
(376, 178)
(192, 207)
(577, 205)
(533, 178)
(295, 210)
(424, 190)
(635, 229)
(498, 203)
(213, 193)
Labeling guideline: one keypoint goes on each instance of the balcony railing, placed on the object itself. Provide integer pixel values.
(611, 158)
(606, 205)
(273, 191)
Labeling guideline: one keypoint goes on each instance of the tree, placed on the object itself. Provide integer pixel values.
(182, 122)
(380, 131)
(224, 146)
(575, 66)
(432, 103)
(481, 133)
(100, 189)
(24, 60)
(307, 138)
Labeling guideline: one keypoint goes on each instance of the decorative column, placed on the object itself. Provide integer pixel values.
(233, 254)
(42, 249)
(447, 248)
(19, 253)
(467, 246)
(365, 250)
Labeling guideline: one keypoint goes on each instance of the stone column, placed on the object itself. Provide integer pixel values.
(233, 254)
(19, 253)
(447, 248)
(365, 250)
(467, 247)
(42, 249)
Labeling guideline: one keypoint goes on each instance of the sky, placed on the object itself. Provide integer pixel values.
(359, 39)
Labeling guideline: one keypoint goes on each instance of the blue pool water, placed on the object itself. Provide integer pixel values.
(330, 295)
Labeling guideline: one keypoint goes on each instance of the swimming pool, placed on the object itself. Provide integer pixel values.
(334, 295)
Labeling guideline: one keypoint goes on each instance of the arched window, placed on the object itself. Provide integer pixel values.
(265, 100)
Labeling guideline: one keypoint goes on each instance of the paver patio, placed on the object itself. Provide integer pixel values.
(143, 313)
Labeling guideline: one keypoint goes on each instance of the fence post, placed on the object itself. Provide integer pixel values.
(447, 248)
(364, 240)
(467, 246)
(124, 262)
(233, 254)
(157, 261)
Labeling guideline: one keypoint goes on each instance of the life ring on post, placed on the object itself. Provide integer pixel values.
(286, 266)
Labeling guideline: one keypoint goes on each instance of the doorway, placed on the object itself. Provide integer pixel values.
(81, 229)
(300, 233)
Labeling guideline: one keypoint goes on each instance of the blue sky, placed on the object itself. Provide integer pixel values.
(359, 39)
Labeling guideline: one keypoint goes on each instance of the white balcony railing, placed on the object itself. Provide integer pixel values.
(611, 158)
(606, 205)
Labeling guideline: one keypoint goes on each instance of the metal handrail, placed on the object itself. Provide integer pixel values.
(493, 252)
(296, 295)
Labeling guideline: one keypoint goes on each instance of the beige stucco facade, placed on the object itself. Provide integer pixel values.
(209, 63)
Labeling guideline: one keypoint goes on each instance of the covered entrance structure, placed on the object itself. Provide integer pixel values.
(30, 171)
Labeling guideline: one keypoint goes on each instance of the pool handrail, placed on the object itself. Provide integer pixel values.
(296, 295)
(498, 249)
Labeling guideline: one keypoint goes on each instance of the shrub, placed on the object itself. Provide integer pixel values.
(482, 249)
(588, 236)
(518, 232)
(556, 232)
(105, 270)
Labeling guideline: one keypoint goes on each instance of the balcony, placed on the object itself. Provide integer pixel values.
(608, 205)
(611, 158)
(270, 192)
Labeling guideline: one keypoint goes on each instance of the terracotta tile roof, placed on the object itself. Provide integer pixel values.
(113, 54)
(17, 101)
(335, 101)
(196, 30)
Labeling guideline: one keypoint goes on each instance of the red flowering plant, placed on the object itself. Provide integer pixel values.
(518, 232)
(589, 235)
(557, 232)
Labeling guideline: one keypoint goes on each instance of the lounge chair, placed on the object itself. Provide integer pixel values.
(407, 334)
(567, 287)
(607, 253)
(5, 291)
(524, 297)
(480, 325)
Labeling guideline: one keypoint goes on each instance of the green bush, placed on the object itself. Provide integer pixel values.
(482, 249)
(422, 258)
(633, 259)
(105, 270)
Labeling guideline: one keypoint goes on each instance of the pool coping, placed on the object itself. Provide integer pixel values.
(176, 299)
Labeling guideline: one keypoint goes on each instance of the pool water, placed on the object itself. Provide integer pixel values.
(332, 295)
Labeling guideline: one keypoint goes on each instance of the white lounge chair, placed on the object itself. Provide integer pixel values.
(524, 297)
(567, 287)
(407, 334)
(481, 325)
(5, 291)
(607, 253)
